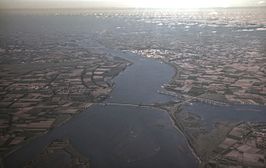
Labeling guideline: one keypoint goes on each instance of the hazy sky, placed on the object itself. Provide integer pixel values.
(128, 3)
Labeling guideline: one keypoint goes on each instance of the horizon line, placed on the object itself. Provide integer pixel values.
(122, 7)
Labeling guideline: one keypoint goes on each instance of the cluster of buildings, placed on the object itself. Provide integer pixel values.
(43, 88)
(244, 146)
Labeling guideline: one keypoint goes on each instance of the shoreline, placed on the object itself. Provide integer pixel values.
(176, 123)
(71, 116)
(173, 119)
(178, 127)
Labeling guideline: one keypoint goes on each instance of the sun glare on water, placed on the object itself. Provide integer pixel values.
(181, 3)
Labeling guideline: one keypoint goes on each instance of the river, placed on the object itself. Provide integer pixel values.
(123, 136)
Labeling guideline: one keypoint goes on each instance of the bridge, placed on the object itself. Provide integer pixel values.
(125, 104)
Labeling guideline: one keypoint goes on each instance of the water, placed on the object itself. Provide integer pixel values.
(139, 83)
(234, 113)
(119, 136)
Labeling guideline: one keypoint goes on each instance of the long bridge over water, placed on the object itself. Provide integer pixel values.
(125, 104)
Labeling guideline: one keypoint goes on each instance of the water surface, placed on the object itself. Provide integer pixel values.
(233, 113)
(123, 136)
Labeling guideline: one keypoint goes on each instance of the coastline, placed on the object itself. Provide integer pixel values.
(175, 121)
(194, 108)
(46, 141)
(69, 117)
(177, 125)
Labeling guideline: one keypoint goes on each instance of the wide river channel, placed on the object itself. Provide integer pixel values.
(114, 136)
(121, 136)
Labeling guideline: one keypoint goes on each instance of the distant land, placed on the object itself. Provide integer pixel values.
(88, 4)
(133, 88)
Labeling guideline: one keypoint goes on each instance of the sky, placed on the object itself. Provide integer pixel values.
(128, 3)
